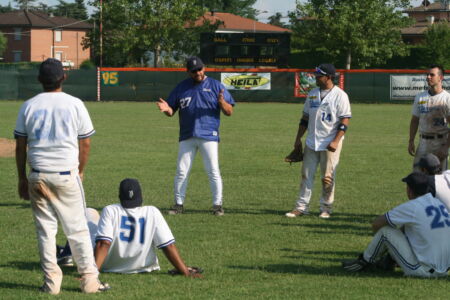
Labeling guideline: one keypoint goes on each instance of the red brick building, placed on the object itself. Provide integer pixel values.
(34, 36)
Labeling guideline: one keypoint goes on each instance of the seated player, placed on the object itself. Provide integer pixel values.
(413, 233)
(128, 234)
(438, 182)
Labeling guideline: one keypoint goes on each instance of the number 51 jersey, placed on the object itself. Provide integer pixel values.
(134, 235)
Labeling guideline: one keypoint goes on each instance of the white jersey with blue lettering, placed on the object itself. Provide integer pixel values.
(442, 186)
(325, 116)
(134, 233)
(53, 122)
(426, 224)
(432, 112)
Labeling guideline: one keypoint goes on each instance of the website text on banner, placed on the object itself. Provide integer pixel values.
(246, 81)
(406, 87)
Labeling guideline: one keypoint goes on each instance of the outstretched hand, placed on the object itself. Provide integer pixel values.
(162, 105)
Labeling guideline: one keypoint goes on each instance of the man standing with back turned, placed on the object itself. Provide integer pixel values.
(199, 100)
(326, 115)
(431, 116)
(57, 129)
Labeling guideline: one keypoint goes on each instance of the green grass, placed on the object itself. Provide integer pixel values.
(253, 251)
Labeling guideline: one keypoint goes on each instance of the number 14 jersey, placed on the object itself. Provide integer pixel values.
(134, 235)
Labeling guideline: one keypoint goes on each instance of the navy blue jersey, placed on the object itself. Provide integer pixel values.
(199, 110)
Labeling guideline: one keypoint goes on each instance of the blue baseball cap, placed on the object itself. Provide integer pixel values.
(325, 70)
(130, 194)
(194, 63)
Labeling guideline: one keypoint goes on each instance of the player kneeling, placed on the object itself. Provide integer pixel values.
(129, 233)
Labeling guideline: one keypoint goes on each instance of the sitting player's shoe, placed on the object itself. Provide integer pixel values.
(324, 215)
(176, 209)
(65, 261)
(295, 213)
(104, 287)
(356, 265)
(218, 210)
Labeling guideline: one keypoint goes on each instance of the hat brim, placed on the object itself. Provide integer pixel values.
(131, 203)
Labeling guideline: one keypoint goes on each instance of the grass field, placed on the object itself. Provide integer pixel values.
(253, 251)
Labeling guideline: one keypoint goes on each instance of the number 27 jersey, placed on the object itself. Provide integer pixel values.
(134, 235)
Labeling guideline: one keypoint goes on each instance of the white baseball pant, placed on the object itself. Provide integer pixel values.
(328, 163)
(209, 151)
(436, 146)
(392, 240)
(56, 196)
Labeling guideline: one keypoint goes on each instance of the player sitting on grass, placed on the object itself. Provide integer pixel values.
(128, 234)
(415, 234)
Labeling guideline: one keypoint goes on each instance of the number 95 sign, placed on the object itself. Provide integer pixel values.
(110, 78)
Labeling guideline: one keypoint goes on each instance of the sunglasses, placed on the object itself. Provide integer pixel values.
(195, 70)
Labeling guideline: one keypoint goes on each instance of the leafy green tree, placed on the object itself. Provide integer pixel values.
(276, 20)
(7, 8)
(2, 44)
(436, 45)
(25, 4)
(242, 8)
(359, 32)
(75, 10)
(133, 28)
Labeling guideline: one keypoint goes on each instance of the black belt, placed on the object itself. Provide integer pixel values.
(432, 137)
(60, 173)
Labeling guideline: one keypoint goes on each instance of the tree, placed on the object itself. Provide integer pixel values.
(242, 8)
(361, 32)
(276, 20)
(436, 45)
(25, 4)
(133, 28)
(5, 9)
(2, 44)
(75, 10)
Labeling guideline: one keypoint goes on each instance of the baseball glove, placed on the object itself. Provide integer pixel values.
(295, 156)
(192, 270)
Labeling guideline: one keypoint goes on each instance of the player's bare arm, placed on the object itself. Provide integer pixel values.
(413, 126)
(302, 127)
(448, 134)
(171, 252)
(21, 160)
(83, 156)
(164, 107)
(226, 107)
(379, 222)
(101, 251)
(339, 134)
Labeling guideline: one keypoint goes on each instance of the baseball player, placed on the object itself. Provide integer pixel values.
(431, 116)
(199, 100)
(326, 116)
(127, 236)
(439, 183)
(56, 127)
(414, 233)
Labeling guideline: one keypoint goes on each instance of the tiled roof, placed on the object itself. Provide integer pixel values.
(35, 19)
(436, 6)
(239, 24)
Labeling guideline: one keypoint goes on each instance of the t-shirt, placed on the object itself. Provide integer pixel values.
(199, 110)
(325, 116)
(432, 112)
(427, 227)
(134, 235)
(53, 123)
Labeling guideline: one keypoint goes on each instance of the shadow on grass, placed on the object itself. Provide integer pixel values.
(16, 286)
(229, 211)
(35, 266)
(337, 228)
(318, 255)
(313, 270)
(25, 204)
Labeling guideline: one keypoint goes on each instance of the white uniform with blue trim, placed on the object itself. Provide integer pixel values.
(442, 188)
(324, 118)
(53, 123)
(199, 117)
(432, 112)
(423, 248)
(134, 233)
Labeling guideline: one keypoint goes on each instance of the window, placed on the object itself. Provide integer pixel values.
(17, 34)
(17, 56)
(58, 35)
(58, 55)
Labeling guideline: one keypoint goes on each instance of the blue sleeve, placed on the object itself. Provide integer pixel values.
(173, 100)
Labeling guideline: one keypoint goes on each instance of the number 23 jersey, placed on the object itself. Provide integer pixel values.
(426, 224)
(134, 235)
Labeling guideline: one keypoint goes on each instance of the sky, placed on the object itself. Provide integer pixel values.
(266, 8)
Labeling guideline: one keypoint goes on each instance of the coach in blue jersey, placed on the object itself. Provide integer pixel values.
(199, 100)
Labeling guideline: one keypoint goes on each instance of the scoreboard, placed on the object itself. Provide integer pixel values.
(249, 49)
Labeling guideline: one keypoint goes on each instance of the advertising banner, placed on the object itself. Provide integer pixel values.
(306, 81)
(406, 87)
(246, 81)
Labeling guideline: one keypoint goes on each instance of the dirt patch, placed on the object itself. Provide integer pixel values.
(7, 147)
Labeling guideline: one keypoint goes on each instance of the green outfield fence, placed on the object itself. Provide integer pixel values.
(148, 84)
